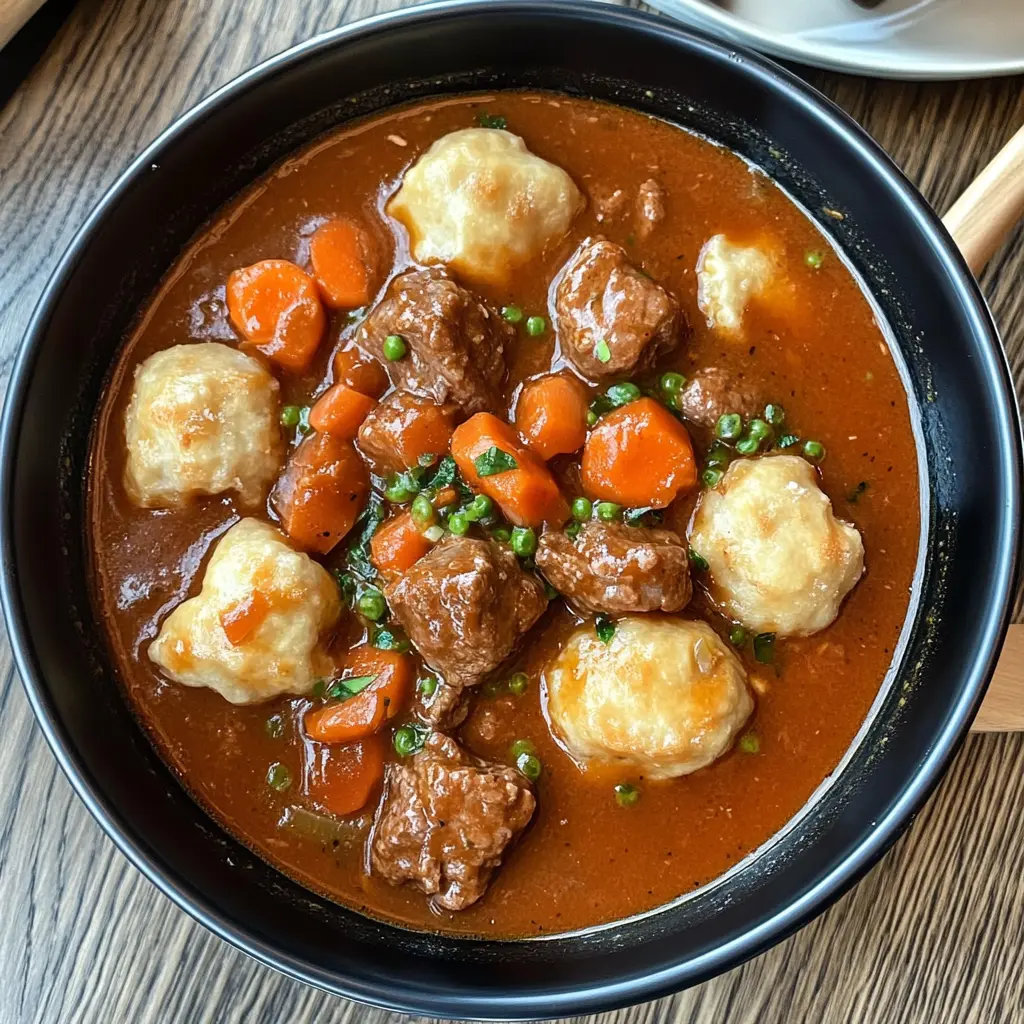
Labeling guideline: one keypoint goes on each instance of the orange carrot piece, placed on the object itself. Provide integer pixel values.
(276, 306)
(338, 252)
(360, 372)
(638, 455)
(398, 545)
(365, 713)
(551, 415)
(321, 492)
(244, 617)
(346, 778)
(340, 410)
(528, 494)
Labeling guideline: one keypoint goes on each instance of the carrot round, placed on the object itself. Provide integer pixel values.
(340, 410)
(345, 780)
(398, 545)
(321, 492)
(338, 252)
(276, 306)
(527, 493)
(365, 713)
(360, 372)
(638, 455)
(551, 415)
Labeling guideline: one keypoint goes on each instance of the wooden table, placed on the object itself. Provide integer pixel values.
(935, 933)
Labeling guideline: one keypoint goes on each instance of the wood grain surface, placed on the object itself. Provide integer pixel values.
(934, 934)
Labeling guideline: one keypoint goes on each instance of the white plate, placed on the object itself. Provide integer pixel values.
(896, 39)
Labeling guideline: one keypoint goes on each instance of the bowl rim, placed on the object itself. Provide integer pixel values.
(861, 857)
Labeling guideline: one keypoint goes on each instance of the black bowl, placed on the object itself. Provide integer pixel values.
(971, 470)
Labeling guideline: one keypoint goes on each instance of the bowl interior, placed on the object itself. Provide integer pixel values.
(941, 328)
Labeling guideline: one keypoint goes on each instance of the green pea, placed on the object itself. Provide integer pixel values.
(622, 394)
(524, 541)
(278, 777)
(672, 383)
(529, 765)
(520, 747)
(371, 604)
(813, 259)
(582, 509)
(398, 490)
(502, 533)
(518, 683)
(747, 445)
(750, 744)
(427, 686)
(729, 426)
(592, 417)
(481, 507)
(458, 523)
(737, 636)
(422, 510)
(513, 314)
(608, 511)
(536, 325)
(719, 455)
(711, 476)
(290, 416)
(572, 531)
(775, 414)
(626, 794)
(394, 347)
(814, 450)
(275, 726)
(408, 740)
(759, 430)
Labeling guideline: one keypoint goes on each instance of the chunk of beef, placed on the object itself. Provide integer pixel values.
(386, 439)
(712, 392)
(445, 708)
(465, 604)
(456, 344)
(650, 207)
(608, 205)
(614, 568)
(445, 821)
(611, 318)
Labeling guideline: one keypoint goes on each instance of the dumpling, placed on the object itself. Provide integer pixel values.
(202, 419)
(480, 201)
(256, 628)
(778, 559)
(664, 696)
(728, 276)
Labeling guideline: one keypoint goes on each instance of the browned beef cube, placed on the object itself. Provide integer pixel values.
(615, 568)
(384, 437)
(465, 605)
(611, 318)
(445, 821)
(712, 392)
(456, 344)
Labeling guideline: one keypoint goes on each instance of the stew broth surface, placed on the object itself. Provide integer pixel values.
(584, 859)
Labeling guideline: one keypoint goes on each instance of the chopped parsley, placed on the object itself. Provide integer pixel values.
(605, 628)
(491, 121)
(349, 687)
(602, 352)
(699, 561)
(494, 461)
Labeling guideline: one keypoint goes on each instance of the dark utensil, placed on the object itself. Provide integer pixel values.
(969, 434)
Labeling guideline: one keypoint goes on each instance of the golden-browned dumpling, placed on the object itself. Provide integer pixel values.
(256, 628)
(202, 419)
(778, 559)
(728, 276)
(664, 696)
(480, 201)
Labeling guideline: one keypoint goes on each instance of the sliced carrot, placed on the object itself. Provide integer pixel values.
(638, 455)
(276, 306)
(339, 252)
(398, 545)
(365, 713)
(361, 372)
(344, 779)
(528, 494)
(244, 617)
(551, 415)
(340, 410)
(321, 492)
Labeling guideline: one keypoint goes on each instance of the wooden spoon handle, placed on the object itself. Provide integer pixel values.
(979, 221)
(990, 207)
